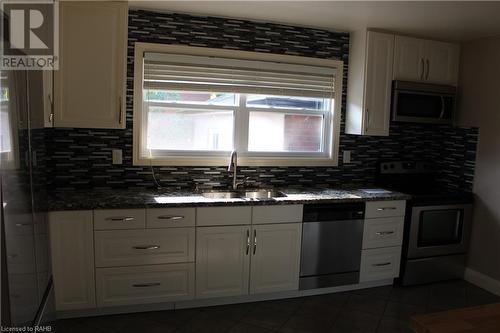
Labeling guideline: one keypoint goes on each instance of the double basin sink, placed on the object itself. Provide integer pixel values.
(245, 194)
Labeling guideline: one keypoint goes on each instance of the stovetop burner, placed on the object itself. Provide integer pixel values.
(418, 179)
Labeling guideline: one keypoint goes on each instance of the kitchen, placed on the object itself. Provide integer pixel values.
(184, 170)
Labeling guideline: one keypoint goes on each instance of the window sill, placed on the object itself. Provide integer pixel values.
(242, 161)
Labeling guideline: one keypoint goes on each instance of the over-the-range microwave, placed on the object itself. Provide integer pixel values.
(423, 102)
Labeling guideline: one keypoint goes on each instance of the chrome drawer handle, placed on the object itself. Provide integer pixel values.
(120, 218)
(384, 233)
(382, 264)
(170, 217)
(145, 285)
(23, 224)
(146, 247)
(386, 208)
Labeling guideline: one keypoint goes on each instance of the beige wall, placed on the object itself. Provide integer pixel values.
(479, 106)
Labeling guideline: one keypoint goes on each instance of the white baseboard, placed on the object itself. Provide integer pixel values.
(483, 281)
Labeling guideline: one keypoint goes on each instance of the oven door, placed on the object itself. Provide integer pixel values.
(422, 107)
(439, 230)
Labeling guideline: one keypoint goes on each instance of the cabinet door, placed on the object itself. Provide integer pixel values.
(89, 86)
(409, 59)
(275, 257)
(378, 83)
(442, 62)
(72, 248)
(222, 261)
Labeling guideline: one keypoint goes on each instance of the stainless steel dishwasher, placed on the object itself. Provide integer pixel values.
(332, 236)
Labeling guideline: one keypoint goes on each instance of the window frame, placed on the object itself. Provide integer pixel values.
(218, 158)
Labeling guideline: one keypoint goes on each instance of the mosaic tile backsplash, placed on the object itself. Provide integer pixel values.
(81, 158)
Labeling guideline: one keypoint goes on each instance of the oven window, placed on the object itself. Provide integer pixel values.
(424, 106)
(440, 227)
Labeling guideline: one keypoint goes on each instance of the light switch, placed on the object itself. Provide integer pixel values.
(117, 156)
(347, 157)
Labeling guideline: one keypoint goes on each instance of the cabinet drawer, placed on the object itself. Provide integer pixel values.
(376, 209)
(277, 214)
(380, 264)
(112, 219)
(207, 216)
(144, 247)
(170, 217)
(383, 232)
(144, 284)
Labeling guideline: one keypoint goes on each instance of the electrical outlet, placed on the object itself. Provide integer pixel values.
(347, 157)
(117, 156)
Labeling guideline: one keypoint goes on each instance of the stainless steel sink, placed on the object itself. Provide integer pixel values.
(251, 195)
(222, 195)
(263, 194)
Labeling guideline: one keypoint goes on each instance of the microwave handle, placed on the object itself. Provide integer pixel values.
(442, 108)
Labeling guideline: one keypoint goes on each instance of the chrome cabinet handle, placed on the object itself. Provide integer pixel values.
(120, 218)
(384, 233)
(248, 241)
(146, 247)
(386, 208)
(427, 72)
(367, 123)
(51, 115)
(442, 108)
(254, 241)
(120, 112)
(145, 285)
(382, 264)
(170, 217)
(422, 65)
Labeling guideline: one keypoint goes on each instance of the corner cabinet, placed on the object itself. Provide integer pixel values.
(369, 83)
(427, 61)
(89, 87)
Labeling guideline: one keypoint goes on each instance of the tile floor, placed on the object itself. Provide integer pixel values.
(381, 310)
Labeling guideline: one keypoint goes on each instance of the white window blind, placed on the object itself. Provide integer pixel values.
(198, 73)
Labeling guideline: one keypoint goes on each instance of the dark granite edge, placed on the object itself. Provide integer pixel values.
(93, 200)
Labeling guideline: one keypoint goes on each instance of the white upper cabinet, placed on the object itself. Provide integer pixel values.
(443, 61)
(426, 61)
(89, 87)
(369, 83)
(409, 59)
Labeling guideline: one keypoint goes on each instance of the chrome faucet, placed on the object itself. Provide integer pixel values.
(233, 166)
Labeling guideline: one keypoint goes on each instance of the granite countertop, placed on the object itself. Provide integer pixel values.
(153, 198)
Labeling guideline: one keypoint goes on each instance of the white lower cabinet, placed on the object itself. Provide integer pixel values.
(275, 258)
(380, 264)
(144, 284)
(72, 249)
(222, 261)
(238, 260)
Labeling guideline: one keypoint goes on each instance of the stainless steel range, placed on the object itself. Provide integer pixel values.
(437, 223)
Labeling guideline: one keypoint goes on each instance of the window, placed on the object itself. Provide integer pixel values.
(193, 106)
